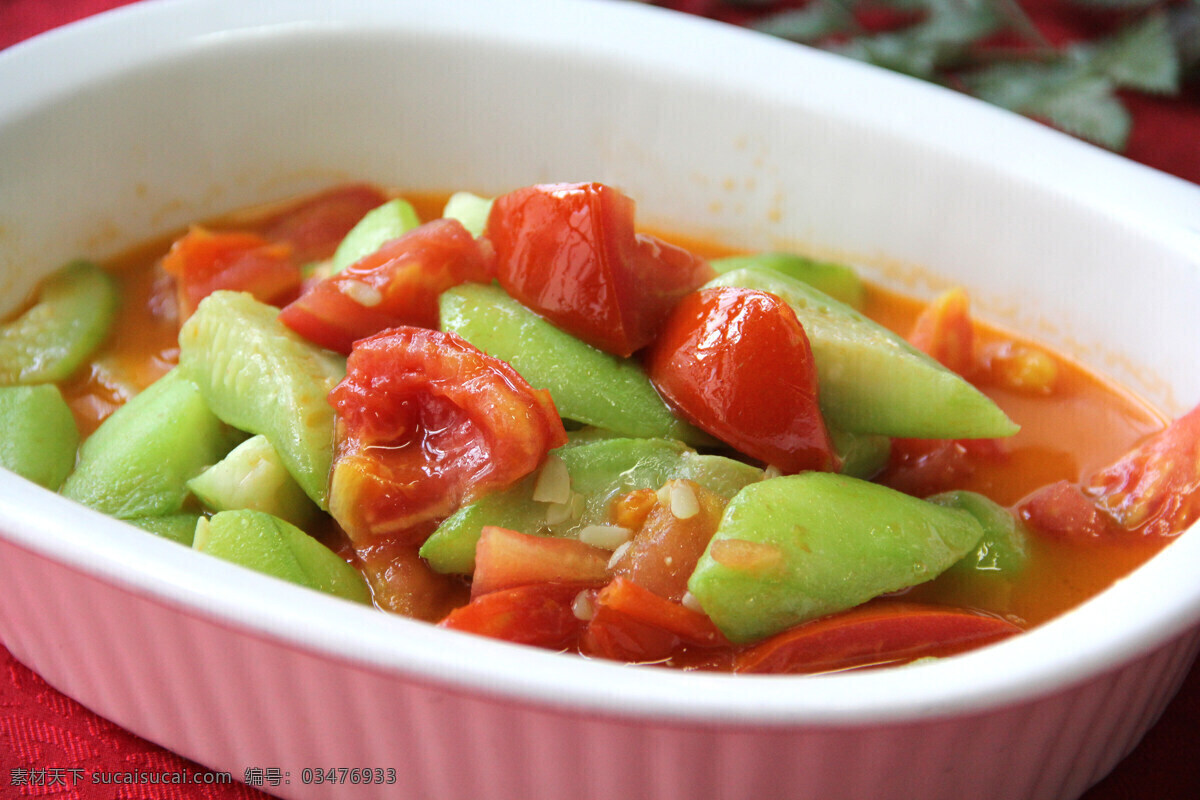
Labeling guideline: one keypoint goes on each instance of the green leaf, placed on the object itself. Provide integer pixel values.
(961, 21)
(1140, 56)
(1013, 85)
(1086, 108)
(1067, 93)
(903, 6)
(1072, 88)
(898, 52)
(810, 24)
(938, 42)
(1184, 24)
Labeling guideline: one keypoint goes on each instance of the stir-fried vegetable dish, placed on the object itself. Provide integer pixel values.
(527, 418)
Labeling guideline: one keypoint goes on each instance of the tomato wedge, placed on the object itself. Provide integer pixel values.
(538, 614)
(505, 558)
(737, 364)
(425, 422)
(203, 261)
(402, 583)
(570, 253)
(633, 624)
(922, 467)
(665, 548)
(316, 226)
(1062, 511)
(396, 285)
(1153, 490)
(944, 331)
(873, 635)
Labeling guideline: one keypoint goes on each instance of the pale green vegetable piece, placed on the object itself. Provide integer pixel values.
(1004, 549)
(590, 433)
(138, 462)
(259, 376)
(451, 547)
(798, 547)
(603, 470)
(253, 476)
(836, 280)
(179, 528)
(40, 437)
(269, 545)
(722, 476)
(588, 385)
(74, 310)
(469, 209)
(389, 221)
(870, 380)
(863, 455)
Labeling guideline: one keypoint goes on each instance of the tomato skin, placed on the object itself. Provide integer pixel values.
(922, 467)
(570, 253)
(396, 285)
(316, 226)
(944, 331)
(1062, 511)
(616, 636)
(871, 635)
(426, 422)
(737, 364)
(1153, 490)
(664, 549)
(402, 583)
(203, 261)
(632, 624)
(505, 558)
(538, 614)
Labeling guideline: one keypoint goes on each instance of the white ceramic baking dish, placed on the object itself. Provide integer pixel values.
(139, 121)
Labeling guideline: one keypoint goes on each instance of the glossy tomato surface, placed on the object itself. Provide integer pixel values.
(737, 364)
(204, 261)
(872, 635)
(425, 422)
(398, 284)
(1153, 490)
(570, 252)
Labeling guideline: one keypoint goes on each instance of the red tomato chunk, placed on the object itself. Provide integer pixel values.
(539, 614)
(570, 253)
(203, 262)
(873, 635)
(1154, 490)
(737, 364)
(398, 284)
(426, 422)
(316, 225)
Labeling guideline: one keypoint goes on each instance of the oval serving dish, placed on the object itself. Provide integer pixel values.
(135, 123)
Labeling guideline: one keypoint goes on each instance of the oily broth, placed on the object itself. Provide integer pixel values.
(1086, 423)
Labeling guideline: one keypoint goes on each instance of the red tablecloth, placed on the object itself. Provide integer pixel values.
(50, 745)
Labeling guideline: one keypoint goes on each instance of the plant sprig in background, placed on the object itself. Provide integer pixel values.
(991, 49)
